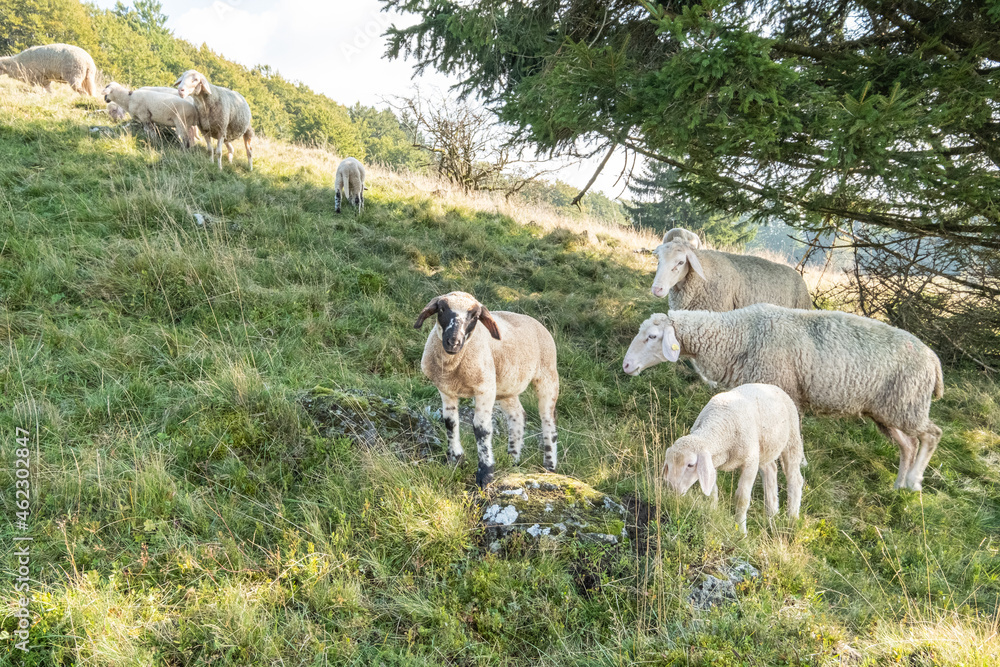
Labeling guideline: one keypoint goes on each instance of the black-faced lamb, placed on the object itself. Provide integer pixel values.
(351, 181)
(699, 279)
(41, 65)
(223, 114)
(750, 428)
(831, 362)
(492, 363)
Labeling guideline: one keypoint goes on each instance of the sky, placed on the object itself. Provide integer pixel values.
(334, 47)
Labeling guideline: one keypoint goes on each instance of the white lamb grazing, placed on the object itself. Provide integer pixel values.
(700, 279)
(751, 428)
(831, 362)
(41, 65)
(351, 180)
(223, 114)
(492, 363)
(151, 107)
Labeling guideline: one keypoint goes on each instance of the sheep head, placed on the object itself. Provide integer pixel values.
(655, 343)
(675, 258)
(113, 90)
(457, 316)
(192, 82)
(684, 462)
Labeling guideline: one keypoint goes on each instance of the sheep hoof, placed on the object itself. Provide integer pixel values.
(484, 475)
(456, 459)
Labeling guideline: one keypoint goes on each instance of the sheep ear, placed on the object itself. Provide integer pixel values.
(203, 86)
(695, 263)
(491, 325)
(178, 81)
(428, 310)
(671, 348)
(706, 472)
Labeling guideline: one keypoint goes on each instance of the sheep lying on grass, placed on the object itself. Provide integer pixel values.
(41, 65)
(492, 363)
(223, 114)
(831, 362)
(751, 428)
(351, 180)
(150, 107)
(696, 278)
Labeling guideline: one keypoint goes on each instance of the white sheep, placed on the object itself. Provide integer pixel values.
(223, 114)
(492, 363)
(751, 428)
(41, 65)
(351, 180)
(149, 106)
(831, 362)
(700, 279)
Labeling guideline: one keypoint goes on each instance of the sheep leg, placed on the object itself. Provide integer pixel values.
(482, 426)
(229, 151)
(247, 144)
(743, 491)
(769, 479)
(47, 85)
(449, 413)
(514, 411)
(221, 140)
(907, 451)
(547, 394)
(929, 439)
(791, 463)
(336, 200)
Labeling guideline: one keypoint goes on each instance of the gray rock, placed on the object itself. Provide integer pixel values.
(740, 571)
(367, 420)
(551, 506)
(712, 591)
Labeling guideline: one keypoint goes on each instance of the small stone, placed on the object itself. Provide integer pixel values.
(712, 591)
(741, 571)
(598, 538)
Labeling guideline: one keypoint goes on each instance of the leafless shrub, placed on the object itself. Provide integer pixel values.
(945, 293)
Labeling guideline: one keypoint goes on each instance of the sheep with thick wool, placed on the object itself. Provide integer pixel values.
(351, 181)
(223, 114)
(750, 428)
(151, 106)
(695, 278)
(41, 65)
(831, 362)
(492, 363)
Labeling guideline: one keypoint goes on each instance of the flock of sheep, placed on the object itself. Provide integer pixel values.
(744, 322)
(754, 330)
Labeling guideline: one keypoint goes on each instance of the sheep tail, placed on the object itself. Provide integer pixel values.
(938, 379)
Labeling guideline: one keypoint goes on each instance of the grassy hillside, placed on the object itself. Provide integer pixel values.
(185, 510)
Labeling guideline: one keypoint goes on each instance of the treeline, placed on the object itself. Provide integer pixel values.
(132, 45)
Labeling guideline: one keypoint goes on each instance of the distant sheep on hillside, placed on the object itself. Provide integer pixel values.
(41, 65)
(351, 180)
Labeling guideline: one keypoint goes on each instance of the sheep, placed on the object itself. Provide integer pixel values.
(494, 363)
(700, 279)
(350, 179)
(150, 106)
(832, 362)
(116, 113)
(223, 114)
(751, 427)
(41, 65)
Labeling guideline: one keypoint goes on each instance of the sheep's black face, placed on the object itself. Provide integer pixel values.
(456, 326)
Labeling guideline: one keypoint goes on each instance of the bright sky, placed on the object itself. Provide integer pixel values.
(334, 47)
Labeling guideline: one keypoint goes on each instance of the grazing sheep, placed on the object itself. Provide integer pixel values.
(832, 362)
(223, 114)
(751, 427)
(350, 179)
(494, 363)
(149, 107)
(41, 65)
(116, 113)
(700, 279)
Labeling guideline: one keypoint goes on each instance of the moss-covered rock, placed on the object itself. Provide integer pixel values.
(367, 419)
(546, 505)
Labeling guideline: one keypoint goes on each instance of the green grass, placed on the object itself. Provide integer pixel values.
(185, 510)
